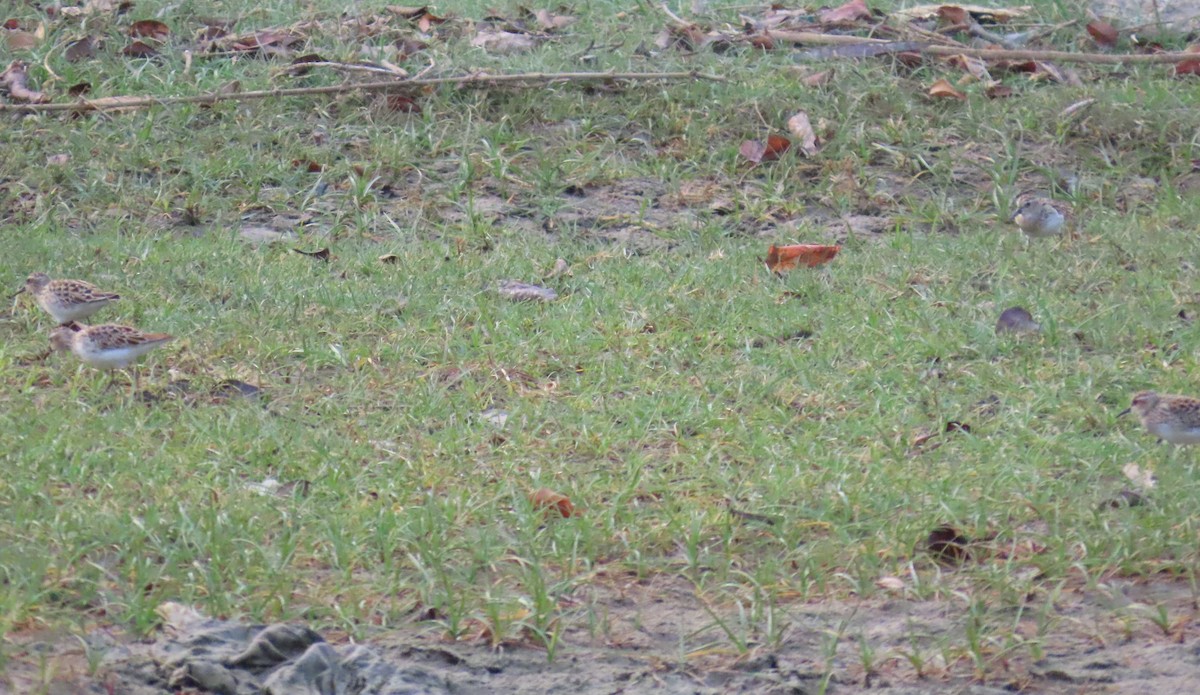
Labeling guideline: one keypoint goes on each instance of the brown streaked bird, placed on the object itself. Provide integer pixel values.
(1042, 217)
(107, 346)
(67, 300)
(1173, 418)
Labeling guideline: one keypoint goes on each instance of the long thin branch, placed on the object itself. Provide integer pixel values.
(128, 102)
(817, 39)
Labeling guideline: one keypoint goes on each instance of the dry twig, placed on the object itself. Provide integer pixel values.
(131, 102)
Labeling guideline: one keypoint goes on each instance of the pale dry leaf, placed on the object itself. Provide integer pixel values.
(889, 583)
(21, 40)
(1143, 479)
(503, 42)
(802, 129)
(560, 268)
(525, 292)
(58, 159)
(551, 22)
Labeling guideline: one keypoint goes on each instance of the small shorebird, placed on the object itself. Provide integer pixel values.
(1041, 217)
(1173, 418)
(107, 346)
(67, 300)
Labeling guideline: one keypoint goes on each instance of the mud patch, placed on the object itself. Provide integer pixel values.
(660, 636)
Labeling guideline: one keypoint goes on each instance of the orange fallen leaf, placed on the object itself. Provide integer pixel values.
(770, 150)
(1189, 67)
(1103, 33)
(781, 258)
(943, 88)
(150, 29)
(817, 79)
(953, 15)
(549, 500)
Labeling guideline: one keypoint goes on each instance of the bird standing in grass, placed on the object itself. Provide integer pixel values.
(1041, 217)
(107, 346)
(1173, 418)
(67, 300)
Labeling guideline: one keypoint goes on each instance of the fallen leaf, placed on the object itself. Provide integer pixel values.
(975, 67)
(551, 501)
(1103, 33)
(948, 545)
(402, 103)
(552, 22)
(80, 50)
(58, 159)
(322, 254)
(942, 88)
(298, 68)
(802, 129)
(18, 40)
(817, 79)
(1189, 67)
(953, 15)
(14, 79)
(139, 49)
(149, 28)
(998, 91)
(1016, 320)
(781, 258)
(79, 89)
(850, 12)
(891, 583)
(503, 42)
(389, 258)
(408, 12)
(525, 292)
(407, 47)
(1143, 479)
(11, 24)
(986, 15)
(560, 268)
(770, 150)
(308, 165)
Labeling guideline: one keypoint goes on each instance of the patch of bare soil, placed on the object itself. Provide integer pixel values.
(657, 636)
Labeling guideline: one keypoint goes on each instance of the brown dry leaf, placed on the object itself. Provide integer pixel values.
(150, 29)
(139, 49)
(389, 258)
(552, 22)
(998, 91)
(1189, 67)
(18, 40)
(11, 24)
(307, 165)
(408, 12)
(14, 80)
(987, 15)
(407, 47)
(427, 20)
(269, 42)
(948, 545)
(80, 50)
(79, 89)
(817, 79)
(953, 15)
(503, 42)
(781, 258)
(802, 130)
(403, 103)
(1103, 33)
(551, 501)
(975, 67)
(768, 151)
(850, 12)
(943, 88)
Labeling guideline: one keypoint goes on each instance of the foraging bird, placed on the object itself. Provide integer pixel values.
(1173, 418)
(67, 300)
(107, 346)
(1040, 217)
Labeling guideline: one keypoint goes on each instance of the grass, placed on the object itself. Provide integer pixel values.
(662, 382)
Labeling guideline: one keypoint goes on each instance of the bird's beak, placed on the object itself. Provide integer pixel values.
(17, 293)
(1125, 412)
